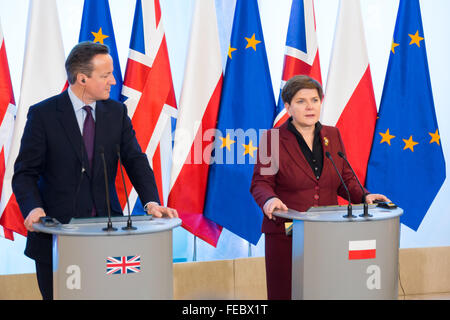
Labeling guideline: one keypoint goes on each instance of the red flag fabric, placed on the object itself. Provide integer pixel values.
(349, 102)
(43, 76)
(11, 220)
(199, 105)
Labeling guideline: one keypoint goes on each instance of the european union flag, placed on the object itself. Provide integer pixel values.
(96, 26)
(407, 163)
(247, 106)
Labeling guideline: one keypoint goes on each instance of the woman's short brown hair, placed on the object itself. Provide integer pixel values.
(297, 83)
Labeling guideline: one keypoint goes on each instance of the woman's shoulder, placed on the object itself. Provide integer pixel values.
(329, 130)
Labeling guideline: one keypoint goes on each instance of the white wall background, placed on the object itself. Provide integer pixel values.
(379, 20)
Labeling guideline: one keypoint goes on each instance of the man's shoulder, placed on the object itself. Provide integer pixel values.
(111, 106)
(51, 102)
(111, 103)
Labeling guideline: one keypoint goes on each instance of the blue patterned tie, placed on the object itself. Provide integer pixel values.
(88, 137)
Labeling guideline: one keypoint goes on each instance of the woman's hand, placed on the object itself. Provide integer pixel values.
(271, 205)
(371, 197)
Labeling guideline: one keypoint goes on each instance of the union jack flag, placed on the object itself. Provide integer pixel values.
(150, 98)
(124, 264)
(302, 53)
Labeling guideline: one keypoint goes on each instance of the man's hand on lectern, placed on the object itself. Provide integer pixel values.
(158, 211)
(33, 217)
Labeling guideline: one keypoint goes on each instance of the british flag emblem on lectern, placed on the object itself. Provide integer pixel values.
(122, 265)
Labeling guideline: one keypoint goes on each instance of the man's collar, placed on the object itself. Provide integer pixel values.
(76, 102)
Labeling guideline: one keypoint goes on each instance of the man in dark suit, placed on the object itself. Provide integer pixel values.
(59, 169)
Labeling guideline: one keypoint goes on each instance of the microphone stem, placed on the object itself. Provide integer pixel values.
(109, 226)
(349, 207)
(349, 211)
(365, 205)
(129, 223)
(365, 208)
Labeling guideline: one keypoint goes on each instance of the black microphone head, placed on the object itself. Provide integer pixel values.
(328, 154)
(340, 154)
(117, 148)
(101, 149)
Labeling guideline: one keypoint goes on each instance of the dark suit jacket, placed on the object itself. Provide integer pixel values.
(294, 183)
(48, 170)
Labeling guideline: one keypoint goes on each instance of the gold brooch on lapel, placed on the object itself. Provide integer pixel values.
(326, 141)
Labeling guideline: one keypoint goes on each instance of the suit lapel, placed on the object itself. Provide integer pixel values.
(325, 139)
(291, 146)
(66, 116)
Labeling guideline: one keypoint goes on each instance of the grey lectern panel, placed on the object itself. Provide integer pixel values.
(339, 258)
(89, 263)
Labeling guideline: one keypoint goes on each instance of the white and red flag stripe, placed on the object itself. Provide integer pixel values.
(149, 96)
(7, 113)
(199, 105)
(43, 76)
(362, 249)
(349, 102)
(302, 52)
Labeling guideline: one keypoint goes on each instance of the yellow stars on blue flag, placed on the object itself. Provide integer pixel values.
(247, 108)
(99, 36)
(415, 39)
(407, 164)
(393, 46)
(386, 137)
(409, 144)
(249, 148)
(226, 142)
(435, 137)
(252, 42)
(230, 50)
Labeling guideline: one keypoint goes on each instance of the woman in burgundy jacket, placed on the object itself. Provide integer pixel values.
(292, 172)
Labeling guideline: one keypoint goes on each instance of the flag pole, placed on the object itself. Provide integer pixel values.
(194, 256)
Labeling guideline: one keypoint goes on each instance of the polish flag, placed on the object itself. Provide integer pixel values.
(198, 109)
(43, 76)
(349, 102)
(362, 249)
(149, 96)
(302, 52)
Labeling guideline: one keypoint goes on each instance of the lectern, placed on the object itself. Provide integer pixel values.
(335, 257)
(89, 263)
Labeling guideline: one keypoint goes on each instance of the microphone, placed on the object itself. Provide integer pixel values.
(366, 206)
(349, 207)
(109, 226)
(129, 226)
